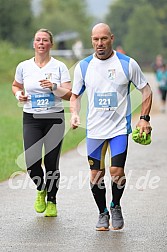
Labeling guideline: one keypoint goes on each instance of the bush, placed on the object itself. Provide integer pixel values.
(10, 57)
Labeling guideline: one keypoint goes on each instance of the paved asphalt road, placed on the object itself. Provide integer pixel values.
(144, 205)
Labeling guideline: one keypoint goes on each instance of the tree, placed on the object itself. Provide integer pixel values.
(144, 34)
(161, 9)
(121, 11)
(118, 16)
(61, 16)
(16, 21)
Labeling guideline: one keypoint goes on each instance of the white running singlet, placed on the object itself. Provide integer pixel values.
(107, 83)
(29, 74)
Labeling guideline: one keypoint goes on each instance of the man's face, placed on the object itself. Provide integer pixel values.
(102, 42)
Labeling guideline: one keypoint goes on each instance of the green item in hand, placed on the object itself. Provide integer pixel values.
(145, 139)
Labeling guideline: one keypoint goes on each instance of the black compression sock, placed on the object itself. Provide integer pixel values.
(99, 194)
(117, 192)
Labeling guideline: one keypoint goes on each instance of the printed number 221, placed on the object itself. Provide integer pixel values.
(104, 101)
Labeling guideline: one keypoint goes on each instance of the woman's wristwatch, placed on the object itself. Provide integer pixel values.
(54, 87)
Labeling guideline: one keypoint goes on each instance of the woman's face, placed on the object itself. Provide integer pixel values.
(42, 42)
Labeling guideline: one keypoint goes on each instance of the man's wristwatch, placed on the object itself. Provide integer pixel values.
(145, 117)
(54, 87)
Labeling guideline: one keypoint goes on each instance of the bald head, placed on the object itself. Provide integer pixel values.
(101, 28)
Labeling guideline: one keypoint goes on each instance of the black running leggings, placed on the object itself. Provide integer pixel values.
(44, 130)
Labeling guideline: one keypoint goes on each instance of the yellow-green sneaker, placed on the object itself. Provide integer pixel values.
(40, 204)
(51, 210)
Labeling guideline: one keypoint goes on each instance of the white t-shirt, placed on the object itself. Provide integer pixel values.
(41, 100)
(107, 83)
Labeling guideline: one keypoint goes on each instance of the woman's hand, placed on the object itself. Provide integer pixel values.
(20, 96)
(46, 84)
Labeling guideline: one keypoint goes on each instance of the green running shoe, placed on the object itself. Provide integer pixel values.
(103, 222)
(40, 204)
(51, 210)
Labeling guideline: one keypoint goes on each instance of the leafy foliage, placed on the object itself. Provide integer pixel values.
(62, 16)
(16, 21)
(10, 57)
(148, 34)
(139, 26)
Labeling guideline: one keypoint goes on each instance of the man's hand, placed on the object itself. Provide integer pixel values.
(144, 127)
(75, 121)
